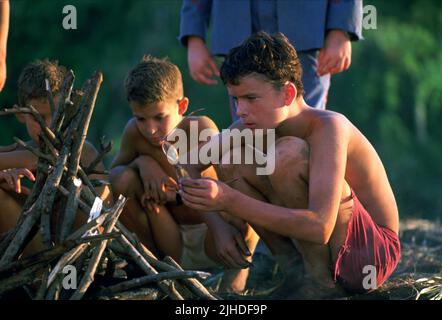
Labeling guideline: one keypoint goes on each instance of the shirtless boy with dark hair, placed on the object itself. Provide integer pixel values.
(329, 193)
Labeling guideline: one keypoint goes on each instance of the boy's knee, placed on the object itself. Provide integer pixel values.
(4, 195)
(292, 147)
(122, 178)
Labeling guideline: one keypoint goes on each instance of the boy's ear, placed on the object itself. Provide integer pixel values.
(290, 93)
(182, 105)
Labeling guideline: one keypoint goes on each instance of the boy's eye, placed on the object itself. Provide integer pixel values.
(159, 117)
(251, 98)
(139, 119)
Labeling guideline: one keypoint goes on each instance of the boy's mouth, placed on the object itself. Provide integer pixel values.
(156, 139)
(250, 125)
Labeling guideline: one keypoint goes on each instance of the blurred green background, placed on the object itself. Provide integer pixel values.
(392, 92)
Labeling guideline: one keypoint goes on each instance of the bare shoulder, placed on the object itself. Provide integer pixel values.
(132, 140)
(328, 126)
(131, 129)
(330, 120)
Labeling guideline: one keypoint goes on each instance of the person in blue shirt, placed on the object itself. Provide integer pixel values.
(321, 30)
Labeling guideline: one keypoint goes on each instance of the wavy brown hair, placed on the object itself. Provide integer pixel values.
(270, 55)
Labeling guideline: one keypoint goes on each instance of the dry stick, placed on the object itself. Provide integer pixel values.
(150, 258)
(65, 96)
(24, 277)
(104, 149)
(84, 203)
(87, 182)
(90, 226)
(71, 256)
(138, 282)
(50, 254)
(51, 160)
(6, 239)
(17, 242)
(53, 291)
(49, 193)
(140, 294)
(42, 205)
(147, 268)
(35, 151)
(67, 218)
(194, 285)
(40, 180)
(42, 290)
(88, 277)
(88, 103)
(38, 185)
(45, 130)
(9, 148)
(46, 255)
(45, 222)
(48, 144)
(79, 137)
(29, 110)
(50, 97)
(68, 258)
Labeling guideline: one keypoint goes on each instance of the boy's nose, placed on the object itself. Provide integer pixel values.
(150, 129)
(240, 109)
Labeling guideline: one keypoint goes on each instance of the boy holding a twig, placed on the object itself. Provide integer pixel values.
(329, 193)
(142, 172)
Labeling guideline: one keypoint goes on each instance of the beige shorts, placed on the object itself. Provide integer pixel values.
(194, 256)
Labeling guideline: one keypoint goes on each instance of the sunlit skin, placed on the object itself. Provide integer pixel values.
(358, 162)
(20, 163)
(142, 172)
(338, 157)
(32, 126)
(157, 119)
(259, 104)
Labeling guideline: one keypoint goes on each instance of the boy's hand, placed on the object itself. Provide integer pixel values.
(230, 246)
(202, 66)
(204, 194)
(167, 193)
(10, 179)
(335, 57)
(159, 188)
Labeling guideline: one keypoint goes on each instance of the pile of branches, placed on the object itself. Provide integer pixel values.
(99, 248)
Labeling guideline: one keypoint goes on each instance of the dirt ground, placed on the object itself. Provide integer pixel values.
(419, 271)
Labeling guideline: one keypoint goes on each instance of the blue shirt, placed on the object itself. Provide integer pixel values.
(264, 16)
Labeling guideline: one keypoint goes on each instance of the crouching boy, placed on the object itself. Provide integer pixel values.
(142, 172)
(329, 192)
(17, 162)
